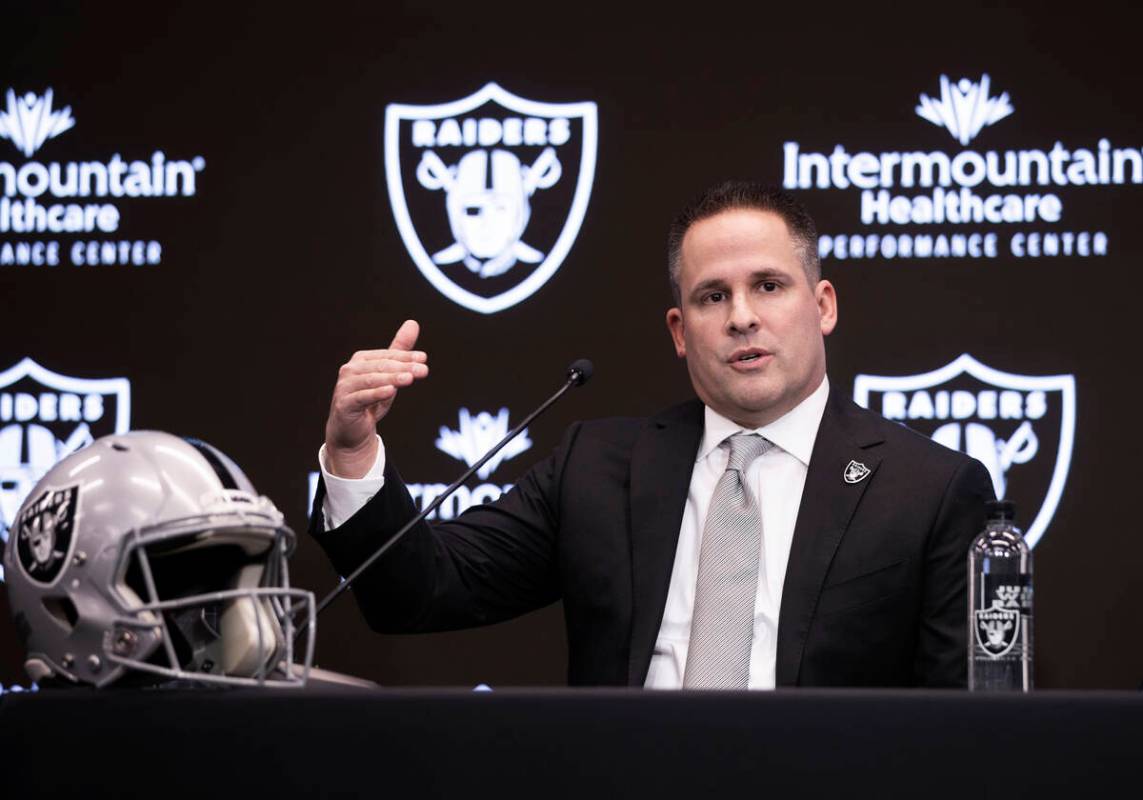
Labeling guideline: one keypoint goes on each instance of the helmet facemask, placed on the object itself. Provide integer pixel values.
(218, 600)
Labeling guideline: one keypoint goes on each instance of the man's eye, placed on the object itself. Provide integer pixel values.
(769, 286)
(714, 297)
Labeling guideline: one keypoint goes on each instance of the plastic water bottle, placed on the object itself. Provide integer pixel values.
(1000, 605)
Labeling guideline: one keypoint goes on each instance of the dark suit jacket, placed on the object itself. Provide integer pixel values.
(875, 590)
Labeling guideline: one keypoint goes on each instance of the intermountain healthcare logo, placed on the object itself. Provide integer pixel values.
(474, 436)
(45, 416)
(43, 201)
(1020, 427)
(937, 204)
(964, 108)
(489, 191)
(29, 121)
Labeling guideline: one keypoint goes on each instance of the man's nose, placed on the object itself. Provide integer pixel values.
(743, 317)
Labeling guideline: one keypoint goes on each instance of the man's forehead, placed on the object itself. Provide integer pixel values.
(753, 238)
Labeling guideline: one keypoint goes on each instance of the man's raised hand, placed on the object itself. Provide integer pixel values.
(366, 387)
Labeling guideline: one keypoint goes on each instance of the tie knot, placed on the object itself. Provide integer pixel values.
(744, 448)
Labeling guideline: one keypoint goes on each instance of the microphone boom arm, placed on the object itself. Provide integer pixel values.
(577, 375)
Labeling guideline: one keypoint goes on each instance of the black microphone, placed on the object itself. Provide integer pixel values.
(578, 373)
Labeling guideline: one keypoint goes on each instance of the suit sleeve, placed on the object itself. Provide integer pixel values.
(942, 654)
(493, 562)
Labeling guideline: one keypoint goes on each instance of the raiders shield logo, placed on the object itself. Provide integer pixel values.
(997, 630)
(44, 533)
(855, 472)
(45, 416)
(1021, 427)
(489, 191)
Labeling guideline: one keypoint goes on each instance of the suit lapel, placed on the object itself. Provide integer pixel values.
(662, 461)
(827, 507)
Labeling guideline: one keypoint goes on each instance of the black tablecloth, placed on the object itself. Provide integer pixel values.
(431, 743)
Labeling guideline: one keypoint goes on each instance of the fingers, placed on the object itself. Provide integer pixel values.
(406, 337)
(371, 380)
(366, 387)
(362, 384)
(356, 402)
(407, 356)
(379, 366)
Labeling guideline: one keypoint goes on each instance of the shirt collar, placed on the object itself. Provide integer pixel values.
(794, 432)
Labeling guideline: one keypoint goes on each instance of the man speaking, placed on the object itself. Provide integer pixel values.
(769, 533)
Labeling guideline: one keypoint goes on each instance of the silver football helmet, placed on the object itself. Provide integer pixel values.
(145, 556)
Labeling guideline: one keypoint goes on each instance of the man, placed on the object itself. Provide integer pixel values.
(773, 534)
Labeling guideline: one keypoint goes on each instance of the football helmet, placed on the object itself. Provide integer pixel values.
(145, 557)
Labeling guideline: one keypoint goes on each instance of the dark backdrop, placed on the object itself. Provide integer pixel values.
(287, 258)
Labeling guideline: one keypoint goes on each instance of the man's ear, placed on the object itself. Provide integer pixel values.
(826, 297)
(676, 327)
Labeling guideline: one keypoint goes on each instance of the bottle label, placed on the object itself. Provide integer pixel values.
(1000, 627)
(997, 630)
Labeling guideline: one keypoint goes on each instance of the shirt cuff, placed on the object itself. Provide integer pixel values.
(344, 497)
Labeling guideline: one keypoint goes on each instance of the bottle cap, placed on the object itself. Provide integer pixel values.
(1000, 510)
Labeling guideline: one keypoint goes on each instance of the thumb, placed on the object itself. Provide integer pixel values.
(406, 337)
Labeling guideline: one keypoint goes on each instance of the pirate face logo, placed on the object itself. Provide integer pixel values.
(45, 416)
(489, 192)
(997, 630)
(855, 472)
(1020, 427)
(44, 533)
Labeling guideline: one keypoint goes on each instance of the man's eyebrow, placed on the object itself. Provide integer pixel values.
(764, 274)
(768, 273)
(709, 283)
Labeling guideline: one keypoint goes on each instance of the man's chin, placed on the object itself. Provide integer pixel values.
(751, 412)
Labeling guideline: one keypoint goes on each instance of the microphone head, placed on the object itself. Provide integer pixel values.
(580, 371)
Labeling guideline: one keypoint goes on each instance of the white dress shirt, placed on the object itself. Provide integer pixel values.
(344, 497)
(776, 478)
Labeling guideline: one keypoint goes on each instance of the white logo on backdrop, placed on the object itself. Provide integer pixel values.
(58, 212)
(964, 107)
(45, 416)
(29, 121)
(476, 435)
(1004, 420)
(490, 155)
(959, 203)
(16, 689)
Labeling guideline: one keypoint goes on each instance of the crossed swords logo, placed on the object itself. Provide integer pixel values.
(487, 194)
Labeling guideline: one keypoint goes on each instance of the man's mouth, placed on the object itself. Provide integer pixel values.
(747, 356)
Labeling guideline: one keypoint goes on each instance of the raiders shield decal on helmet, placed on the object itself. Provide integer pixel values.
(44, 533)
(1021, 427)
(489, 191)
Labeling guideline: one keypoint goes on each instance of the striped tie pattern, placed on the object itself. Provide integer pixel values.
(722, 627)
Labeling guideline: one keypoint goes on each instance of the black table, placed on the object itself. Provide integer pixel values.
(597, 743)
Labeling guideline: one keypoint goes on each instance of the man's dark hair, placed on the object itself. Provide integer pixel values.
(731, 195)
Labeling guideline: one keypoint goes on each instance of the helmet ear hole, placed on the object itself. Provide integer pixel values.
(62, 610)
